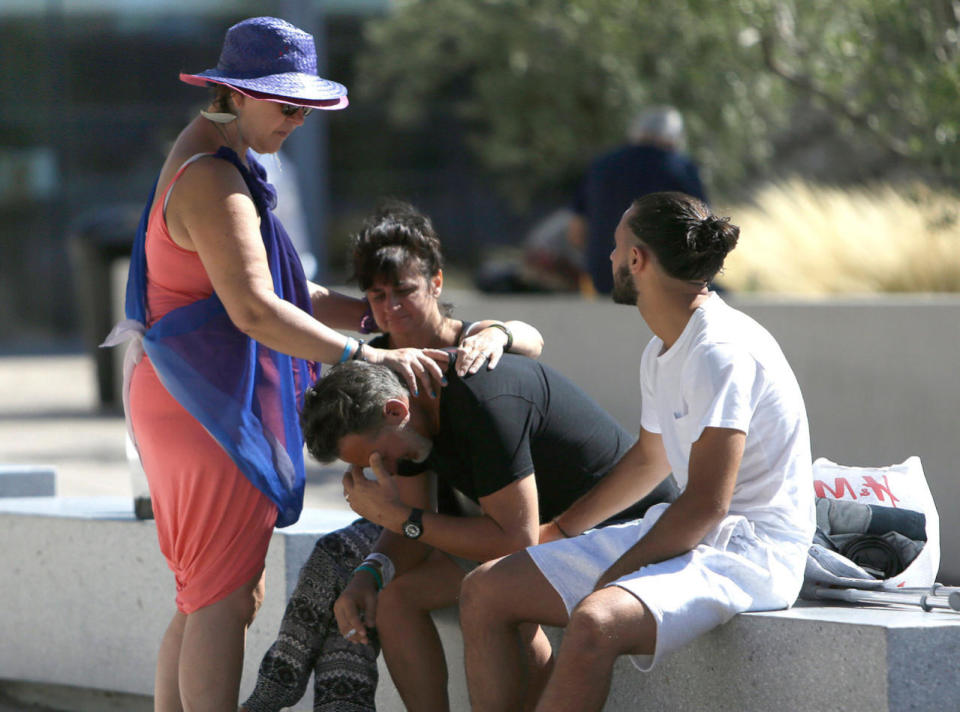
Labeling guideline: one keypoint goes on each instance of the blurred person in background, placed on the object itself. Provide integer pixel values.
(398, 264)
(231, 331)
(650, 161)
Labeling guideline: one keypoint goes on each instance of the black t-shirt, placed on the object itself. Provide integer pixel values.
(523, 417)
(446, 499)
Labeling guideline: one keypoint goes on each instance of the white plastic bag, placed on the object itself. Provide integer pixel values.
(903, 486)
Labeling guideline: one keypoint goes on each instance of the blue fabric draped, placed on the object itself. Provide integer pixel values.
(247, 396)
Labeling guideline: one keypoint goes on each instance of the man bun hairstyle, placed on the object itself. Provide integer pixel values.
(395, 237)
(349, 399)
(689, 241)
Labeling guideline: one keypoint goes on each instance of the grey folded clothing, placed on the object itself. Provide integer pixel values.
(857, 542)
(835, 516)
(826, 567)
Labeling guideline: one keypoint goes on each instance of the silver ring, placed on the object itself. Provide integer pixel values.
(351, 632)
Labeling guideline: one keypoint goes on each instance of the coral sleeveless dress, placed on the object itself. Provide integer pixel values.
(213, 524)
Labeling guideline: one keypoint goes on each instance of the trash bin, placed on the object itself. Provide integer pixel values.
(96, 239)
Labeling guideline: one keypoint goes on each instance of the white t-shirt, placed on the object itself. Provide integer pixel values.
(727, 371)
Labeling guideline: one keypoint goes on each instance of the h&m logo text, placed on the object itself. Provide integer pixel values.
(869, 486)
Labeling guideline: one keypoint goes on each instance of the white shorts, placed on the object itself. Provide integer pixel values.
(732, 570)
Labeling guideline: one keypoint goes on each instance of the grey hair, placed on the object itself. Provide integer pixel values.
(659, 124)
(349, 399)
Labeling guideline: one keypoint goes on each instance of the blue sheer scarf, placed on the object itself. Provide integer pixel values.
(247, 396)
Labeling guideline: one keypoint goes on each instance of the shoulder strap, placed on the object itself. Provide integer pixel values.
(176, 177)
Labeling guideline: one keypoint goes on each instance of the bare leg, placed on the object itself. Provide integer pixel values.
(408, 637)
(607, 623)
(166, 696)
(497, 599)
(211, 655)
(539, 662)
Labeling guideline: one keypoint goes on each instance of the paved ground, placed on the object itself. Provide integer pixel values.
(49, 415)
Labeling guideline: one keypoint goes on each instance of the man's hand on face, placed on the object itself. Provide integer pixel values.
(375, 500)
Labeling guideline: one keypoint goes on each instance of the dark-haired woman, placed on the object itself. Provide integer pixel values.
(398, 264)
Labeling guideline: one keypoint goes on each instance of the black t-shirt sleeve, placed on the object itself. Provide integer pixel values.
(496, 437)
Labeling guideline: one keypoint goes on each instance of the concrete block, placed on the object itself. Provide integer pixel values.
(87, 594)
(28, 481)
(811, 658)
(87, 597)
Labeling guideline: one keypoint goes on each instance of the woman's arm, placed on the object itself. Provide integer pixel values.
(337, 310)
(212, 213)
(488, 340)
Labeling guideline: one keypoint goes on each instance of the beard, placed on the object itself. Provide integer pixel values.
(624, 290)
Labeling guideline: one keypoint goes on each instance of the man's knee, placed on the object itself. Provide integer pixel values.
(594, 626)
(487, 595)
(398, 600)
(478, 593)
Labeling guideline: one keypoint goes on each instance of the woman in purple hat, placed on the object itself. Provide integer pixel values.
(231, 332)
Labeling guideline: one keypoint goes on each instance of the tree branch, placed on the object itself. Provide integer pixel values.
(837, 104)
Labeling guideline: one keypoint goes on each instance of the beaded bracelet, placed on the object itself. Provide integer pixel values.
(357, 356)
(386, 565)
(377, 578)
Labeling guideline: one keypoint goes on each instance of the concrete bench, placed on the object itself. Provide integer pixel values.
(87, 596)
(811, 658)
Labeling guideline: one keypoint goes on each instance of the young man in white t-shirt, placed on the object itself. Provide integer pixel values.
(721, 409)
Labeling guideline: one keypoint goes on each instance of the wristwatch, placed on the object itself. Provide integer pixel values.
(413, 527)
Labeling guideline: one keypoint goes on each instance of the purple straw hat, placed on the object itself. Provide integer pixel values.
(268, 58)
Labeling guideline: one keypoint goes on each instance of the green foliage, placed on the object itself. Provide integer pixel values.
(543, 84)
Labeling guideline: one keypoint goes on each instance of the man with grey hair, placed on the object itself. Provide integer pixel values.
(522, 442)
(650, 162)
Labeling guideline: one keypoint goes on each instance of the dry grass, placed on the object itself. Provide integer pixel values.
(798, 238)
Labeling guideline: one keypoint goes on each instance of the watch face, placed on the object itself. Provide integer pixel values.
(411, 530)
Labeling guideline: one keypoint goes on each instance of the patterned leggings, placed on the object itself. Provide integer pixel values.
(345, 673)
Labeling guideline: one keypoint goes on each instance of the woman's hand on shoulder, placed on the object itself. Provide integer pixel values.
(484, 345)
(417, 367)
(489, 339)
